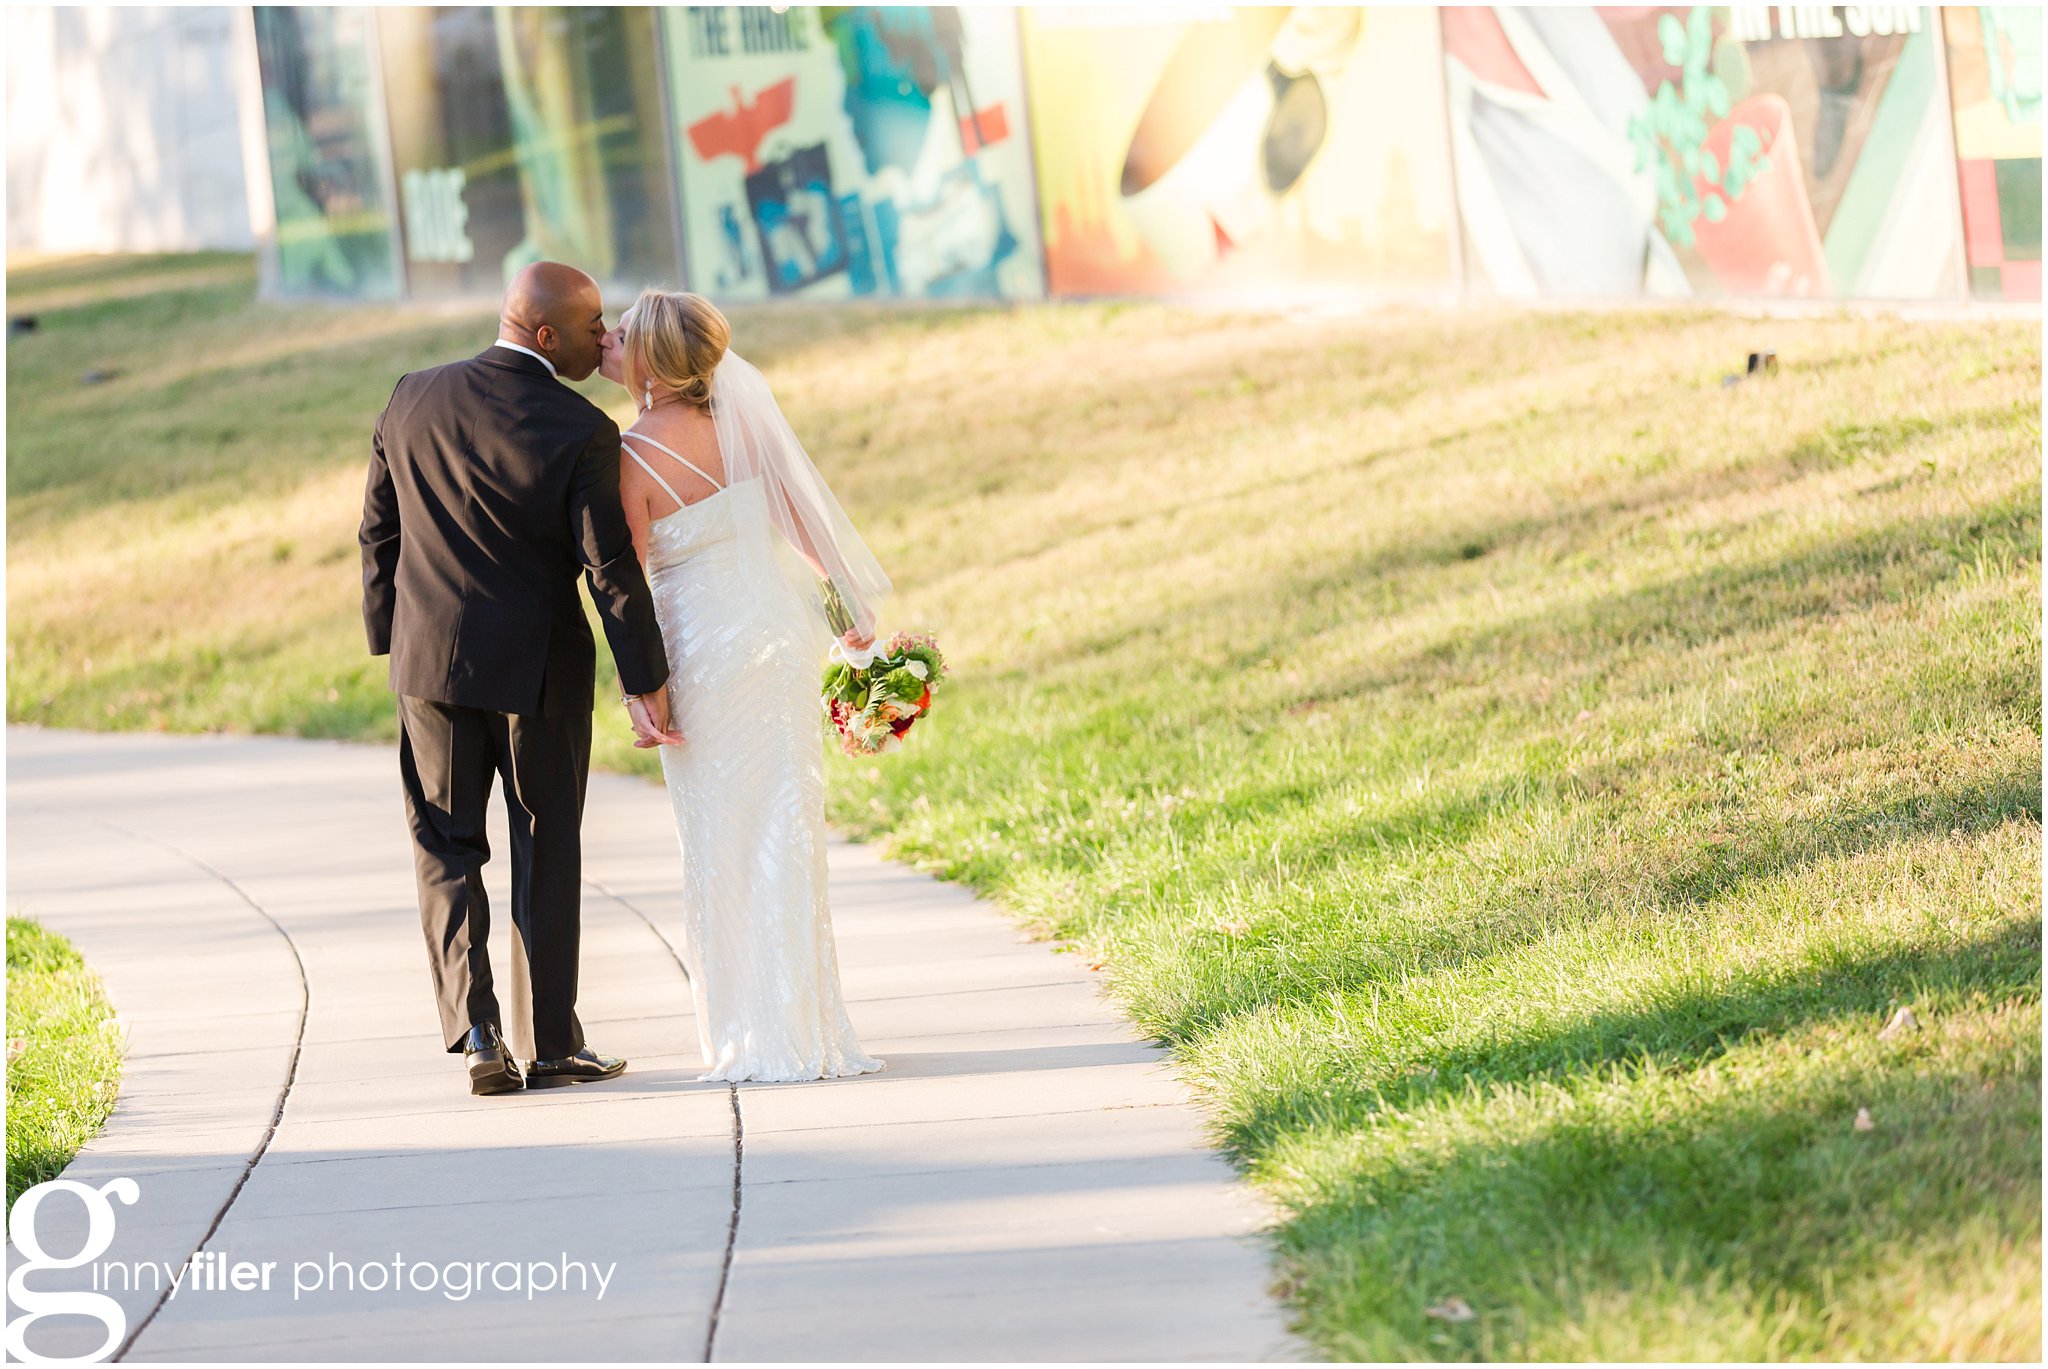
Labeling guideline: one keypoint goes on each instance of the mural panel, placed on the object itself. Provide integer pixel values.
(327, 152)
(1994, 74)
(1194, 150)
(527, 134)
(852, 150)
(1825, 152)
(1777, 151)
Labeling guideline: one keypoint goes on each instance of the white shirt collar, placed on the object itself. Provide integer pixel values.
(501, 342)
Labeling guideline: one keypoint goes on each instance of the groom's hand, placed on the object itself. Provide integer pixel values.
(651, 728)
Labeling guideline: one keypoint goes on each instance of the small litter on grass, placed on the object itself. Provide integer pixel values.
(1452, 1310)
(15, 1046)
(1234, 929)
(1863, 1122)
(1763, 363)
(1902, 1022)
(98, 376)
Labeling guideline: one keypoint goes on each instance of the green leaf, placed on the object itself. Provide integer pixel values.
(1671, 34)
(1716, 209)
(1710, 167)
(1700, 35)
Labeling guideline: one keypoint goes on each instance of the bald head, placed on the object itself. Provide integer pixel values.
(557, 311)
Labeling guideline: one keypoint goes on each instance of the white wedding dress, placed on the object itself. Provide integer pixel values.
(748, 790)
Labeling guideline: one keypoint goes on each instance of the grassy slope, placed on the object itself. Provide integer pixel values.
(62, 1077)
(1516, 774)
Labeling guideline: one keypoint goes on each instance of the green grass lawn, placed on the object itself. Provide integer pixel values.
(63, 1059)
(1516, 774)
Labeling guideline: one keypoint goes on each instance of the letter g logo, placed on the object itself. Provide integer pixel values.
(99, 1234)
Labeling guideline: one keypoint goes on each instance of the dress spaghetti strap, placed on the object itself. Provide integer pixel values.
(651, 472)
(659, 445)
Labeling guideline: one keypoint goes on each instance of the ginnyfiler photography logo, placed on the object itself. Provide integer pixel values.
(212, 1273)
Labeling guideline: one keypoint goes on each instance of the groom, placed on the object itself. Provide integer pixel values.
(492, 488)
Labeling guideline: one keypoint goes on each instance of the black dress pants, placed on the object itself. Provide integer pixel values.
(447, 756)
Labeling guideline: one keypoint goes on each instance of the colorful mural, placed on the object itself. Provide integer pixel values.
(526, 133)
(1199, 150)
(327, 151)
(1776, 151)
(1873, 152)
(843, 151)
(1994, 75)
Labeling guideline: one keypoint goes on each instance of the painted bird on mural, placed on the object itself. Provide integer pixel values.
(741, 132)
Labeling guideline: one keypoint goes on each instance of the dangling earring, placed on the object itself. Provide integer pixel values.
(647, 395)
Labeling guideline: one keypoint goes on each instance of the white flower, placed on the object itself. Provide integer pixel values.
(918, 668)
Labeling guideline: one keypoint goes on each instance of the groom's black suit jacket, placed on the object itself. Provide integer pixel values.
(492, 488)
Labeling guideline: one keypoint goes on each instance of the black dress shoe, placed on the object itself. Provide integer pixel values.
(580, 1068)
(492, 1068)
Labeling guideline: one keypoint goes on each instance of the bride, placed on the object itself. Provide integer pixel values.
(717, 489)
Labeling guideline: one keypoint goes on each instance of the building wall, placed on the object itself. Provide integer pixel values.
(123, 130)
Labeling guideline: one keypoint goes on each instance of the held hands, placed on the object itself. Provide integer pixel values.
(651, 726)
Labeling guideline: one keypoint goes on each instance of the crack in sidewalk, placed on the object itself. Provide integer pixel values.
(291, 1072)
(739, 1133)
(732, 1230)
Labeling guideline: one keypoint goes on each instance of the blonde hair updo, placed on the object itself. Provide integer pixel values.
(675, 339)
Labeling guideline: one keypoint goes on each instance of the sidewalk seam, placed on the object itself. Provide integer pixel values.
(291, 1072)
(739, 1134)
(732, 1230)
(652, 926)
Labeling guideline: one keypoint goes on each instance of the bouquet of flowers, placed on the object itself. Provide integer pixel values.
(873, 695)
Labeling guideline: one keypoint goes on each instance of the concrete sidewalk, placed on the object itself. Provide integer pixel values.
(1026, 1181)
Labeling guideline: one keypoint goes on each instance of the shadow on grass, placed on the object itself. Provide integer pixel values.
(1267, 972)
(1829, 578)
(1687, 1028)
(301, 406)
(74, 282)
(1705, 1220)
(1704, 870)
(1912, 553)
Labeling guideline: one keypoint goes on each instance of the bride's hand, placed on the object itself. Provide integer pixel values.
(858, 640)
(651, 725)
